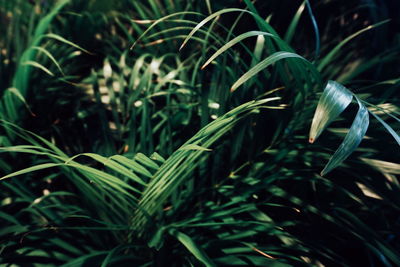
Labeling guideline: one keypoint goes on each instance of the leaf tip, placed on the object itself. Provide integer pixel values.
(133, 45)
(324, 171)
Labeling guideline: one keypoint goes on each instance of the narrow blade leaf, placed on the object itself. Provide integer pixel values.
(192, 247)
(233, 42)
(388, 128)
(262, 65)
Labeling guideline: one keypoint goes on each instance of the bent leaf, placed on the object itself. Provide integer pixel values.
(65, 41)
(233, 42)
(332, 102)
(331, 55)
(388, 128)
(352, 139)
(262, 65)
(39, 66)
(207, 19)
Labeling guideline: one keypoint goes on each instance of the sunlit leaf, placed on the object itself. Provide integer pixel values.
(333, 101)
(352, 139)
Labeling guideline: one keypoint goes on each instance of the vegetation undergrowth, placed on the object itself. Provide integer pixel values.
(172, 133)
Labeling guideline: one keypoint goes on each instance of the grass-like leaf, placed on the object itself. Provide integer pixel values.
(192, 247)
(232, 43)
(333, 53)
(262, 65)
(388, 128)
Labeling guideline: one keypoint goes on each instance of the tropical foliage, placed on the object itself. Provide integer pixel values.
(199, 133)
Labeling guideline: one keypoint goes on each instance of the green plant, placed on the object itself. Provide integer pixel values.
(201, 157)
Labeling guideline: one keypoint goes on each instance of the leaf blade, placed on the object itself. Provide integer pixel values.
(333, 101)
(262, 65)
(352, 139)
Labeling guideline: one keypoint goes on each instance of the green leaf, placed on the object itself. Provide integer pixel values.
(293, 24)
(136, 167)
(262, 65)
(207, 19)
(232, 43)
(331, 55)
(333, 101)
(82, 261)
(144, 160)
(17, 93)
(194, 147)
(22, 74)
(112, 165)
(352, 139)
(192, 247)
(50, 56)
(159, 21)
(113, 254)
(388, 128)
(65, 41)
(39, 66)
(32, 169)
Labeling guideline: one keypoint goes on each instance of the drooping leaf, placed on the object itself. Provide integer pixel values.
(262, 65)
(331, 55)
(233, 42)
(209, 18)
(352, 139)
(63, 40)
(333, 101)
(388, 128)
(155, 22)
(50, 56)
(39, 66)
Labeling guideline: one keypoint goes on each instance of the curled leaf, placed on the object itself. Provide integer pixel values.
(352, 139)
(333, 101)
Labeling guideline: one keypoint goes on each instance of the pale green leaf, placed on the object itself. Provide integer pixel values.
(352, 139)
(333, 101)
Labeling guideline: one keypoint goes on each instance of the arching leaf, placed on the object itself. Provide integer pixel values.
(333, 101)
(352, 139)
(262, 65)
